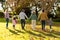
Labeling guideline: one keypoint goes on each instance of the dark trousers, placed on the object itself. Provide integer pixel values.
(7, 20)
(43, 24)
(22, 23)
(50, 27)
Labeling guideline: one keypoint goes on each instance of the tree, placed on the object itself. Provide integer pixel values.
(2, 0)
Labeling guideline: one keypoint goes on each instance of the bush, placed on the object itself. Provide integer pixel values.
(56, 20)
(1, 14)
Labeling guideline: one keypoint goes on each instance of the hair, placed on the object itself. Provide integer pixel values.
(42, 10)
(23, 10)
(14, 18)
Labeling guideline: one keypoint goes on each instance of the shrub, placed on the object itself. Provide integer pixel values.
(1, 14)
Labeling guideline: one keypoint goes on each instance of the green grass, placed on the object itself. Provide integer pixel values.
(28, 33)
(2, 20)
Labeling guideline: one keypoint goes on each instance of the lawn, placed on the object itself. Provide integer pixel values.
(28, 33)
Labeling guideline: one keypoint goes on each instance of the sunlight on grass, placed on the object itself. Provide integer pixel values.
(28, 33)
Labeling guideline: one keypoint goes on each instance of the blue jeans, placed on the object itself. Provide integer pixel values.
(43, 24)
(22, 23)
(7, 20)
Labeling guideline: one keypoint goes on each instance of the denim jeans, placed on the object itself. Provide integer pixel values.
(43, 24)
(22, 23)
(7, 20)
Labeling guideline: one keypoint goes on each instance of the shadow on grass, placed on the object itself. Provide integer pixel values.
(13, 32)
(38, 35)
(50, 34)
(19, 31)
(55, 32)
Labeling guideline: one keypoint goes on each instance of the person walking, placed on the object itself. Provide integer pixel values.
(14, 21)
(43, 17)
(33, 18)
(22, 16)
(50, 24)
(6, 17)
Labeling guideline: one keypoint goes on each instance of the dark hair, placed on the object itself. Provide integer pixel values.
(14, 18)
(23, 10)
(42, 10)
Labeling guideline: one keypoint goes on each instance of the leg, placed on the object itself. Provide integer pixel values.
(50, 27)
(7, 20)
(43, 25)
(22, 23)
(13, 26)
(32, 24)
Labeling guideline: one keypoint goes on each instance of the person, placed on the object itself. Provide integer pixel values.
(43, 17)
(50, 24)
(14, 21)
(22, 16)
(6, 17)
(33, 18)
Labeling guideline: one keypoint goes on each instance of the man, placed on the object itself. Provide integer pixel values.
(22, 16)
(43, 17)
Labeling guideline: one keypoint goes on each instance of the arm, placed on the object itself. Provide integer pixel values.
(19, 15)
(26, 16)
(39, 16)
(46, 17)
(30, 17)
(15, 20)
(36, 17)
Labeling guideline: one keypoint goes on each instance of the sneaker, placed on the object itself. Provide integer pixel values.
(50, 30)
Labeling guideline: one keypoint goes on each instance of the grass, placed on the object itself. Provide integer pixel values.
(28, 33)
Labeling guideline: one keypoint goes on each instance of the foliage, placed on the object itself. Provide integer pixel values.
(2, 0)
(58, 9)
(1, 14)
(56, 20)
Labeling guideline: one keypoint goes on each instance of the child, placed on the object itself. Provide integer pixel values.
(33, 18)
(50, 24)
(14, 22)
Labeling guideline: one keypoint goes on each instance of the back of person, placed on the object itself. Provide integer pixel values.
(14, 19)
(6, 15)
(33, 17)
(22, 15)
(43, 16)
(14, 22)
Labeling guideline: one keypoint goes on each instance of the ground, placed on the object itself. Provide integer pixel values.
(28, 33)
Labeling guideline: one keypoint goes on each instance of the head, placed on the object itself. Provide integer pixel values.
(14, 18)
(33, 12)
(43, 10)
(23, 10)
